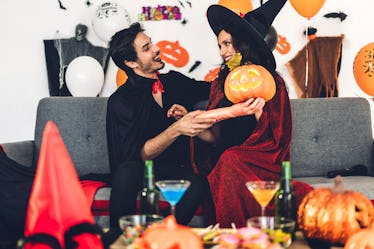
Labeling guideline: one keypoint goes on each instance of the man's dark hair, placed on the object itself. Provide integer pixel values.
(121, 46)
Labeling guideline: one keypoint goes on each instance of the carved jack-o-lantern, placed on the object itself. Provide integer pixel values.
(332, 215)
(249, 81)
(173, 53)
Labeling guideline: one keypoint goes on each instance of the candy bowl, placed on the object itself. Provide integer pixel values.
(280, 230)
(133, 226)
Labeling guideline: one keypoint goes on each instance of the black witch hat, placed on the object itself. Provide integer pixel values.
(255, 24)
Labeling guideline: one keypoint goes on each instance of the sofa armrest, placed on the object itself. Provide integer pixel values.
(21, 152)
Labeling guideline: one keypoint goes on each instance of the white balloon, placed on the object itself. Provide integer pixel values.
(84, 77)
(109, 18)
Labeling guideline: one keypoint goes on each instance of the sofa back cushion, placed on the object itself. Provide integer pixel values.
(330, 134)
(81, 122)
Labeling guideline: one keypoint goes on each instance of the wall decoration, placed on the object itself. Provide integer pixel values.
(194, 66)
(84, 77)
(109, 18)
(161, 12)
(319, 79)
(88, 3)
(283, 46)
(307, 8)
(363, 69)
(61, 6)
(310, 33)
(121, 77)
(340, 15)
(212, 74)
(173, 53)
(60, 52)
(188, 2)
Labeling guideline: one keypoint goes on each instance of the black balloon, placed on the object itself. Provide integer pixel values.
(271, 38)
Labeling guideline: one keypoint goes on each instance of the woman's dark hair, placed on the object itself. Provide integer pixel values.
(121, 46)
(244, 45)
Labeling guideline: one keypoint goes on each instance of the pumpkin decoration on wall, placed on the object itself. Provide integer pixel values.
(212, 74)
(332, 215)
(249, 81)
(173, 53)
(121, 77)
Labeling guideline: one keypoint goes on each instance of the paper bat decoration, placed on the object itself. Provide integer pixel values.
(339, 14)
(61, 6)
(194, 66)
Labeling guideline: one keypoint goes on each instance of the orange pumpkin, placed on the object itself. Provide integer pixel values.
(169, 235)
(212, 74)
(332, 215)
(173, 53)
(121, 77)
(249, 81)
(363, 239)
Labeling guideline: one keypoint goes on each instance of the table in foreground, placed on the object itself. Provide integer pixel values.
(299, 243)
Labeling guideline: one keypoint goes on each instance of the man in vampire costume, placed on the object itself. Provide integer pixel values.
(139, 125)
(249, 147)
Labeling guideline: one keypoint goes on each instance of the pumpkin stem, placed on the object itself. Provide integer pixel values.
(338, 184)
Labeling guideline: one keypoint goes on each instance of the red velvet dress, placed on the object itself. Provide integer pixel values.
(259, 156)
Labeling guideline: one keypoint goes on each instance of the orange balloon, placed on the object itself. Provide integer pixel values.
(363, 68)
(240, 7)
(307, 8)
(121, 77)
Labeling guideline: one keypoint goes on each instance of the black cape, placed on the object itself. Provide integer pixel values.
(128, 111)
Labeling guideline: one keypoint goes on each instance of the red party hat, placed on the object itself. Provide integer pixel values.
(58, 210)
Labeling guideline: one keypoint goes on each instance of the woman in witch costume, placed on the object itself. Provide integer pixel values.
(250, 147)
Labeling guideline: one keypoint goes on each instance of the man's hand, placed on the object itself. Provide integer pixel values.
(191, 125)
(177, 111)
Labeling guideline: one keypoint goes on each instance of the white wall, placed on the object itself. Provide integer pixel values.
(25, 24)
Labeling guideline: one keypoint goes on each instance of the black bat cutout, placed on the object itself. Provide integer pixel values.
(340, 15)
(194, 66)
(61, 6)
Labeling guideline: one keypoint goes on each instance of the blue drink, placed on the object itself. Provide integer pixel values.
(173, 191)
(173, 195)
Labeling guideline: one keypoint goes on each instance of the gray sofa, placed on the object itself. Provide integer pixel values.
(328, 134)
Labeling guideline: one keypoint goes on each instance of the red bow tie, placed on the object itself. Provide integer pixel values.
(157, 87)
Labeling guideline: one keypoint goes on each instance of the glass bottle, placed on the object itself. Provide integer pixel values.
(285, 199)
(149, 196)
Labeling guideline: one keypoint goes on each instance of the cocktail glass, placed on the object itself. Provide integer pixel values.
(173, 190)
(263, 192)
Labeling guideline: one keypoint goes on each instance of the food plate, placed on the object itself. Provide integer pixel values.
(209, 236)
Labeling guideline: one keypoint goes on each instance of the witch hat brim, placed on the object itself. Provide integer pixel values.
(57, 202)
(254, 25)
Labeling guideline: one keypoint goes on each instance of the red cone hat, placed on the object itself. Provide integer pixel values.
(57, 202)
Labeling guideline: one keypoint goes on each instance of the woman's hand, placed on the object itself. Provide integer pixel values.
(177, 111)
(249, 107)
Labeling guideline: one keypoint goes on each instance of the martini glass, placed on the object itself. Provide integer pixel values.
(263, 192)
(173, 190)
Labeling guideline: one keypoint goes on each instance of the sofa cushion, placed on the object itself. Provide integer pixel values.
(330, 134)
(82, 126)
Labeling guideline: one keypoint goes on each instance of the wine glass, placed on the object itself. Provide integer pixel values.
(263, 192)
(173, 190)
